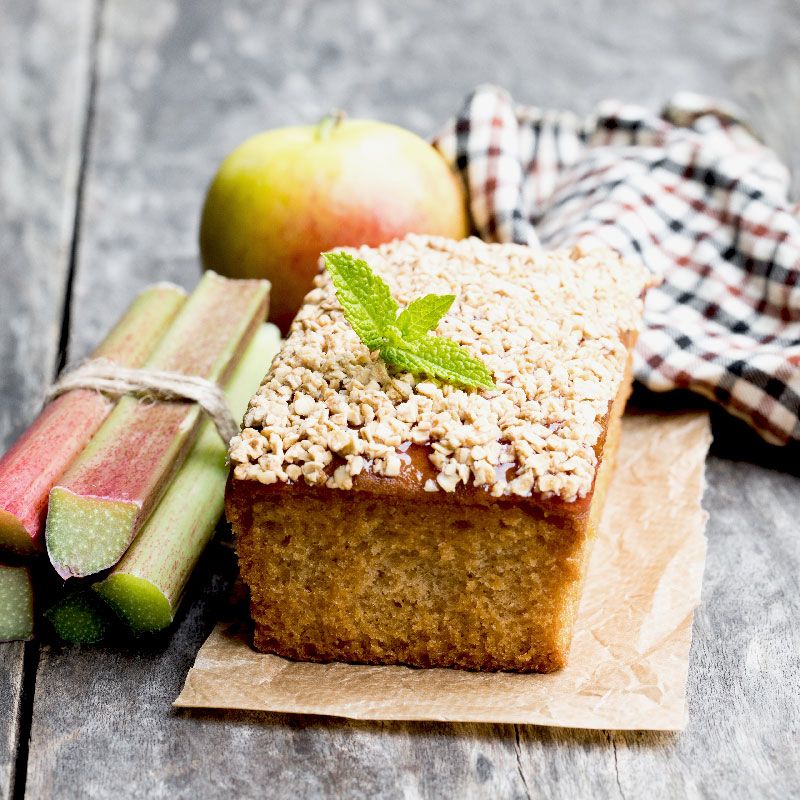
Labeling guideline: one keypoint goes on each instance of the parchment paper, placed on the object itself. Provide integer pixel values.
(629, 659)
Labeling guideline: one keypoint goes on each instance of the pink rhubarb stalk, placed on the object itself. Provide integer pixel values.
(38, 459)
(102, 500)
(146, 586)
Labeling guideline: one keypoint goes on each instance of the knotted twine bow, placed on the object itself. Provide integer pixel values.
(103, 375)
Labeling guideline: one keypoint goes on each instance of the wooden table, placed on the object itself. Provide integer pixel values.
(113, 116)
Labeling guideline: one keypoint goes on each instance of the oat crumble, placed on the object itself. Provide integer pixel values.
(547, 326)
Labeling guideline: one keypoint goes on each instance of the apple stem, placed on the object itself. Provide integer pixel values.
(328, 123)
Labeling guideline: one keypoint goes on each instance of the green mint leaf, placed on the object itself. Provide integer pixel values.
(404, 342)
(423, 315)
(365, 298)
(440, 358)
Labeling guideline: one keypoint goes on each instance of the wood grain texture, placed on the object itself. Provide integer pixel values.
(181, 84)
(43, 94)
(11, 668)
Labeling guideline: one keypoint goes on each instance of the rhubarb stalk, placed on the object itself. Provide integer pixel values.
(38, 459)
(100, 503)
(146, 586)
(16, 603)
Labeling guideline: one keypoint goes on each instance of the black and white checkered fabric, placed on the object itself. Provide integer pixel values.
(694, 195)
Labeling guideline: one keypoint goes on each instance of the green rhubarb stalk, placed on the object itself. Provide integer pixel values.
(103, 499)
(64, 427)
(146, 586)
(16, 603)
(79, 618)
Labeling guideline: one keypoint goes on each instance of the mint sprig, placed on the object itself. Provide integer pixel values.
(404, 341)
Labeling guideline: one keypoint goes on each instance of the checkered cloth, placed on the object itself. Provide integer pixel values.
(694, 195)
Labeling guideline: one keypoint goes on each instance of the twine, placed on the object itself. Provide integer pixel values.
(105, 376)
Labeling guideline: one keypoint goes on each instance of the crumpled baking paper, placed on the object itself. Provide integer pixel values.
(629, 659)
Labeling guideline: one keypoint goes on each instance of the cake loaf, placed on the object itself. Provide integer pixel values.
(388, 518)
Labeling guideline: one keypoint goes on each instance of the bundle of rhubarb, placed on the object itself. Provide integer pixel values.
(124, 493)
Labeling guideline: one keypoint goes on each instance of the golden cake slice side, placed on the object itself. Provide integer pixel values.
(353, 536)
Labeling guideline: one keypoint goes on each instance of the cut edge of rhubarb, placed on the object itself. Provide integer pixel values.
(16, 604)
(14, 536)
(79, 618)
(140, 604)
(85, 535)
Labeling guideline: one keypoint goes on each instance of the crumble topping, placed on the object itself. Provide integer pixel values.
(547, 325)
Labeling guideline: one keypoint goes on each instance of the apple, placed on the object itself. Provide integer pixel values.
(287, 195)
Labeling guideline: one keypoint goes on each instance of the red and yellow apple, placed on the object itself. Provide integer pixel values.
(286, 195)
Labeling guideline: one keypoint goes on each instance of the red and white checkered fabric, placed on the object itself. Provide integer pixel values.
(694, 195)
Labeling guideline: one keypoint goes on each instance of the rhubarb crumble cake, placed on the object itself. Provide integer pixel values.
(388, 518)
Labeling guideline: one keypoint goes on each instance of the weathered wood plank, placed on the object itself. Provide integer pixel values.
(11, 666)
(181, 85)
(43, 82)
